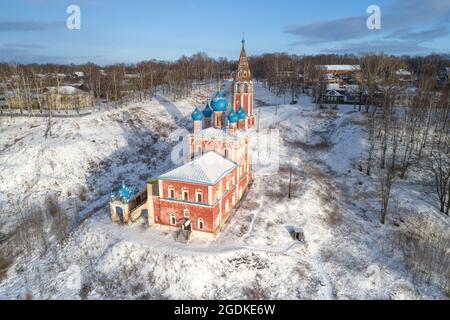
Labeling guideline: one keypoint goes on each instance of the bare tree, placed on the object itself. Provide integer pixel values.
(387, 177)
(439, 165)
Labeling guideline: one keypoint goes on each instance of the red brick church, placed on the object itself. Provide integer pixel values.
(199, 197)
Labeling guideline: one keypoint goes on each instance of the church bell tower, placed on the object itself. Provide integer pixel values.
(243, 88)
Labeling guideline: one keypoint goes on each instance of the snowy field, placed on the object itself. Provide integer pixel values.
(347, 254)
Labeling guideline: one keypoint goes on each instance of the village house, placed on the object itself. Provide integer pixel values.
(336, 93)
(334, 96)
(66, 98)
(404, 75)
(340, 73)
(199, 197)
(78, 75)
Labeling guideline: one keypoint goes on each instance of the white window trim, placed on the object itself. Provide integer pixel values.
(197, 193)
(183, 192)
(201, 223)
(186, 213)
(169, 189)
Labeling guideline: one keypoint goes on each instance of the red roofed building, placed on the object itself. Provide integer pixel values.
(199, 197)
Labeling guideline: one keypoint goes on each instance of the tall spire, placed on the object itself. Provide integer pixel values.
(243, 39)
(243, 68)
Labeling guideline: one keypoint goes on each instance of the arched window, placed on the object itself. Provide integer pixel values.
(245, 88)
(199, 196)
(201, 224)
(226, 154)
(227, 206)
(185, 194)
(212, 146)
(238, 87)
(186, 213)
(173, 220)
(171, 192)
(119, 213)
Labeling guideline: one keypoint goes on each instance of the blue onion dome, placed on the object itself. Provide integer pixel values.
(242, 114)
(207, 112)
(125, 194)
(219, 103)
(197, 115)
(233, 117)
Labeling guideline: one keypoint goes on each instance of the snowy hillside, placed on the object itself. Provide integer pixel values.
(347, 254)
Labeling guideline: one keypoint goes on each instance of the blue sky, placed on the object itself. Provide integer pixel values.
(134, 30)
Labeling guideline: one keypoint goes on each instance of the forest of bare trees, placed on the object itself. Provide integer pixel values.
(112, 83)
(410, 137)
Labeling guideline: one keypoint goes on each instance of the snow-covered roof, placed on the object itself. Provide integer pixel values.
(208, 169)
(59, 75)
(79, 74)
(218, 134)
(352, 88)
(340, 67)
(403, 72)
(333, 86)
(66, 90)
(334, 93)
(447, 69)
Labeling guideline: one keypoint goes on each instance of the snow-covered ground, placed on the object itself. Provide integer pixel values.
(347, 253)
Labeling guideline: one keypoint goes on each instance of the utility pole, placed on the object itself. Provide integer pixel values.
(290, 181)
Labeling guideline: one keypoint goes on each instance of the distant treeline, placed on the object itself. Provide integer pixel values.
(280, 71)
